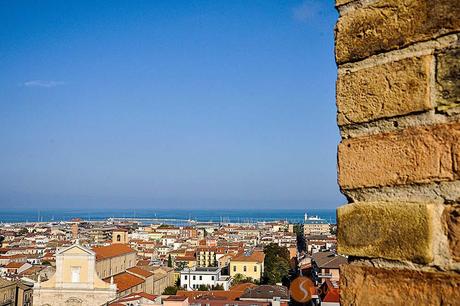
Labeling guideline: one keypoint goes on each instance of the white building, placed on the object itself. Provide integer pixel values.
(192, 278)
(315, 226)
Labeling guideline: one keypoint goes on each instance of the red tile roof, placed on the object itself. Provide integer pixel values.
(134, 297)
(175, 298)
(112, 250)
(14, 265)
(254, 257)
(140, 271)
(125, 281)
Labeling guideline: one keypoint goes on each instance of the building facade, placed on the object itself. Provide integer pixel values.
(315, 226)
(192, 279)
(114, 259)
(249, 265)
(7, 293)
(75, 282)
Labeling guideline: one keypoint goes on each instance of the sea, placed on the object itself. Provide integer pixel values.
(167, 216)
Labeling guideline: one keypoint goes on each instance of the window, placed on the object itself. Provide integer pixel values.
(185, 277)
(212, 277)
(255, 268)
(234, 268)
(244, 268)
(75, 271)
(201, 277)
(118, 237)
(194, 277)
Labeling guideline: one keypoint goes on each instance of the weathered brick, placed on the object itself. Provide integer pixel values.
(364, 285)
(452, 228)
(448, 79)
(387, 90)
(390, 230)
(391, 24)
(414, 155)
(342, 2)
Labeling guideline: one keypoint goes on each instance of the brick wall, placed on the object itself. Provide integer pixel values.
(398, 110)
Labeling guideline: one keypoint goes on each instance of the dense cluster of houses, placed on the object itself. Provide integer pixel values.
(128, 263)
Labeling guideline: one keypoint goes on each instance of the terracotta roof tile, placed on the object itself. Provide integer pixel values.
(125, 281)
(112, 250)
(140, 271)
(254, 257)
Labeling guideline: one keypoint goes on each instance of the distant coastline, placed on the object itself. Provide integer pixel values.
(200, 215)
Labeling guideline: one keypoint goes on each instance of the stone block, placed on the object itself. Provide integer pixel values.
(364, 285)
(452, 229)
(448, 79)
(392, 89)
(390, 230)
(414, 155)
(386, 25)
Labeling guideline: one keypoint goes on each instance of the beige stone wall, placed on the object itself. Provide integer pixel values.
(135, 289)
(7, 293)
(398, 110)
(163, 279)
(115, 265)
(49, 297)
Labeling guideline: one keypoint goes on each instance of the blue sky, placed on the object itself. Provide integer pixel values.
(167, 104)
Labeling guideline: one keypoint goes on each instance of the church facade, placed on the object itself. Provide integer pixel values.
(75, 282)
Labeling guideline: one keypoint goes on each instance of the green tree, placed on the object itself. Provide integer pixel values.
(276, 264)
(170, 264)
(301, 244)
(180, 265)
(240, 278)
(46, 263)
(171, 290)
(177, 283)
(218, 287)
(203, 288)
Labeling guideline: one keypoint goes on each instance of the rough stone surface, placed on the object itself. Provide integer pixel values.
(376, 286)
(452, 228)
(388, 125)
(387, 90)
(390, 230)
(414, 155)
(431, 192)
(391, 24)
(448, 79)
(342, 2)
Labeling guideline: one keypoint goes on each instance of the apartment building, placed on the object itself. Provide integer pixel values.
(193, 278)
(248, 264)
